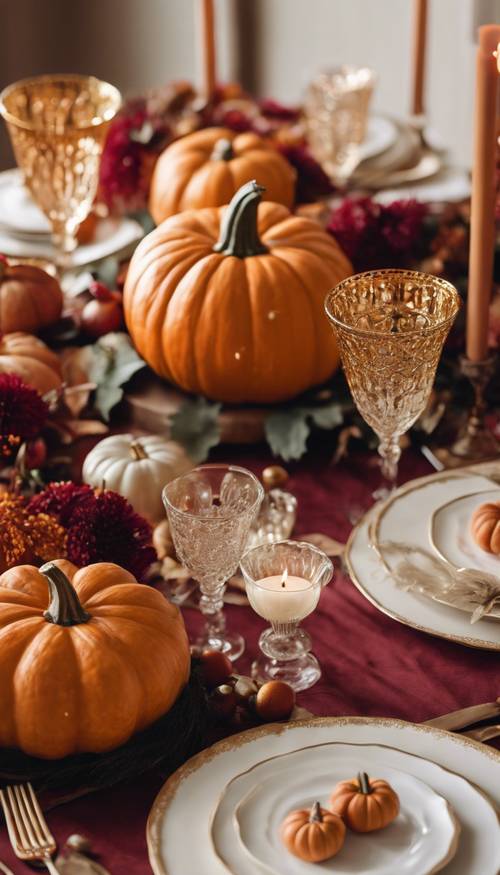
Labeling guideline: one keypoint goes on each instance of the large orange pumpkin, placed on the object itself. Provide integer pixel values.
(230, 306)
(206, 169)
(30, 299)
(84, 668)
(30, 359)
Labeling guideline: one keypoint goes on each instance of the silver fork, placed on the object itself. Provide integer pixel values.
(29, 834)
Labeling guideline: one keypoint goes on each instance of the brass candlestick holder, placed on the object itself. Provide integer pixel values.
(475, 441)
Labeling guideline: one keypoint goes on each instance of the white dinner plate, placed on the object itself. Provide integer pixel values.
(380, 135)
(450, 533)
(404, 519)
(178, 834)
(422, 839)
(18, 209)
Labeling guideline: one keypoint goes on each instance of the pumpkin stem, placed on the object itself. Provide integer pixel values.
(315, 816)
(64, 608)
(364, 783)
(137, 451)
(222, 151)
(238, 234)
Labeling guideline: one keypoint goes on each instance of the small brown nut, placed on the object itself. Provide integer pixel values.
(273, 476)
(223, 701)
(78, 843)
(275, 701)
(162, 540)
(245, 688)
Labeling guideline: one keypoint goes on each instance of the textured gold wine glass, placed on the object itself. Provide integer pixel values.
(57, 125)
(391, 326)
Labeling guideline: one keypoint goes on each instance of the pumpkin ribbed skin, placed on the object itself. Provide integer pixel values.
(30, 299)
(235, 328)
(206, 168)
(365, 812)
(313, 839)
(86, 687)
(485, 527)
(30, 359)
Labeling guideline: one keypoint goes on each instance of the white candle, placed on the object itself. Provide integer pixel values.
(283, 598)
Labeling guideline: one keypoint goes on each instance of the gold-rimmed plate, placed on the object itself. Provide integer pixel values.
(178, 826)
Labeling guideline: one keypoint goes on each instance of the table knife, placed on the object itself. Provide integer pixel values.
(456, 720)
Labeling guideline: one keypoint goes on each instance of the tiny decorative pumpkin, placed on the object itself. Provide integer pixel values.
(137, 468)
(313, 836)
(226, 313)
(485, 527)
(365, 804)
(30, 299)
(30, 359)
(275, 701)
(87, 667)
(206, 168)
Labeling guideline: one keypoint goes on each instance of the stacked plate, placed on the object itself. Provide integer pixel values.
(395, 164)
(221, 812)
(429, 519)
(25, 231)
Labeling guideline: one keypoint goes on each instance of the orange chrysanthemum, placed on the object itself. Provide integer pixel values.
(21, 532)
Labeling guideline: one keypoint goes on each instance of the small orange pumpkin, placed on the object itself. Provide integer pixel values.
(29, 358)
(206, 168)
(485, 527)
(365, 804)
(87, 658)
(30, 299)
(313, 835)
(229, 303)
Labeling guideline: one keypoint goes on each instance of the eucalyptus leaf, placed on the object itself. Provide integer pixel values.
(196, 427)
(287, 432)
(145, 220)
(328, 416)
(113, 361)
(106, 271)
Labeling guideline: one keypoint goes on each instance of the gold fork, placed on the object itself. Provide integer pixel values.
(29, 834)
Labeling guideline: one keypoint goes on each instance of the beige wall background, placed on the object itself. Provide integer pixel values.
(273, 46)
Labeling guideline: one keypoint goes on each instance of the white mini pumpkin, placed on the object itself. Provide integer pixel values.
(138, 468)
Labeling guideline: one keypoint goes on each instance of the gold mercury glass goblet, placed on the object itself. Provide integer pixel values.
(391, 326)
(57, 125)
(210, 510)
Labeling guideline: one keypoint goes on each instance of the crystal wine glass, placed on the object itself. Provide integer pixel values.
(57, 125)
(283, 583)
(210, 510)
(391, 326)
(336, 114)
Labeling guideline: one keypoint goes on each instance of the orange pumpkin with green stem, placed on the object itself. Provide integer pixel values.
(229, 303)
(87, 658)
(206, 168)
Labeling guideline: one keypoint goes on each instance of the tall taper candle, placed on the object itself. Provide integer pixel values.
(482, 231)
(208, 48)
(419, 53)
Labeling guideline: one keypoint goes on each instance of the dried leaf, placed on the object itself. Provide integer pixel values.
(329, 545)
(196, 427)
(78, 864)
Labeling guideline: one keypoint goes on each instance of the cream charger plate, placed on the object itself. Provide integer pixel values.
(405, 519)
(422, 839)
(450, 533)
(178, 831)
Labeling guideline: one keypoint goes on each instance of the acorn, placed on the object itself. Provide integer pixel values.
(245, 688)
(273, 476)
(275, 701)
(216, 668)
(78, 843)
(223, 701)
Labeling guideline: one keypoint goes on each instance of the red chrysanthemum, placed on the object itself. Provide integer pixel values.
(373, 235)
(107, 529)
(312, 181)
(60, 500)
(101, 526)
(23, 413)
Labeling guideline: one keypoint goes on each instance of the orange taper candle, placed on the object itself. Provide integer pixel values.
(208, 48)
(482, 226)
(419, 50)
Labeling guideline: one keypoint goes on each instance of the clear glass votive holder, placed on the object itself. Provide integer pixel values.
(283, 583)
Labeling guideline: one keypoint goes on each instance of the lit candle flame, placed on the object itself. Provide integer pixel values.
(284, 578)
(496, 55)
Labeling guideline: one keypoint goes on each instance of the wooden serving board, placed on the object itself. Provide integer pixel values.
(151, 402)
